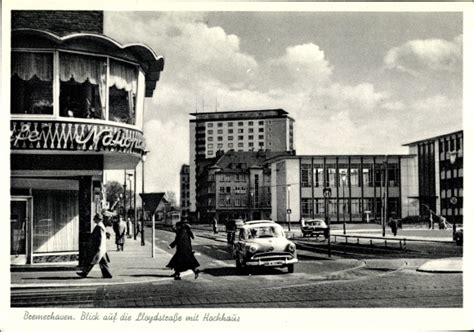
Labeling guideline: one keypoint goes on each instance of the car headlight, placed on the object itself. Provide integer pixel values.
(291, 247)
(252, 248)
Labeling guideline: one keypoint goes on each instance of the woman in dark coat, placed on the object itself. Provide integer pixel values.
(183, 259)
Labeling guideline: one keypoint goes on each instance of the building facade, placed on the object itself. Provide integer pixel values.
(440, 173)
(216, 132)
(236, 185)
(360, 185)
(184, 190)
(77, 103)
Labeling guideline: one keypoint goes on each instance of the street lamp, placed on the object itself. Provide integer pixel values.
(288, 211)
(327, 195)
(130, 175)
(344, 203)
(252, 205)
(142, 229)
(453, 199)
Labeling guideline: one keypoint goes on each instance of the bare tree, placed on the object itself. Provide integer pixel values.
(171, 198)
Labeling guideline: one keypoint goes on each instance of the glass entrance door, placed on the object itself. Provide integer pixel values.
(19, 219)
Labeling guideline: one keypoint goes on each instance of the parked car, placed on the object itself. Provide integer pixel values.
(314, 227)
(263, 243)
(459, 236)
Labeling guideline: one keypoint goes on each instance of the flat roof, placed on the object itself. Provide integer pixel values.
(279, 110)
(337, 156)
(433, 138)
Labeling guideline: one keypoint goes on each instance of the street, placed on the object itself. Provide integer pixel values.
(358, 277)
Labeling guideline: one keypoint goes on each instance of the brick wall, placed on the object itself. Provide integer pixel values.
(60, 22)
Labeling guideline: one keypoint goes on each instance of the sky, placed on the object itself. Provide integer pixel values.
(355, 82)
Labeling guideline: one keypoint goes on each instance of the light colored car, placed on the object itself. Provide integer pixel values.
(314, 227)
(263, 243)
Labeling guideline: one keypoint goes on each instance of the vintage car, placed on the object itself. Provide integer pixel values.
(314, 227)
(263, 243)
(458, 236)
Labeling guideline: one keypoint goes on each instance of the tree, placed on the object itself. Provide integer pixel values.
(171, 198)
(113, 190)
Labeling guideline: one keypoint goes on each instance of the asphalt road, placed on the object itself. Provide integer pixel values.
(367, 277)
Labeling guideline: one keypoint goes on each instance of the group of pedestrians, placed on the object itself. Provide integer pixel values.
(96, 252)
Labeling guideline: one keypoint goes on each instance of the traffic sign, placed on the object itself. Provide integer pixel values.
(288, 211)
(453, 200)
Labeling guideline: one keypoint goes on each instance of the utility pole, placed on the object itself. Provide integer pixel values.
(384, 198)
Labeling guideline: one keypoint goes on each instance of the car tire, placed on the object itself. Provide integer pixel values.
(291, 268)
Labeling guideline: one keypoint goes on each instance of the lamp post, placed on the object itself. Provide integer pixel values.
(142, 229)
(288, 211)
(125, 195)
(453, 199)
(344, 203)
(252, 204)
(130, 175)
(327, 195)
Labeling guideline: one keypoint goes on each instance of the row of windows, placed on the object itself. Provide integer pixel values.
(367, 175)
(455, 173)
(240, 124)
(231, 146)
(88, 86)
(456, 192)
(239, 137)
(450, 144)
(237, 202)
(346, 206)
(239, 131)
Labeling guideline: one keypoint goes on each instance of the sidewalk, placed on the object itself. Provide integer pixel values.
(133, 265)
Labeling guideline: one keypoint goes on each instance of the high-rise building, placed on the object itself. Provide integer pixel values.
(251, 130)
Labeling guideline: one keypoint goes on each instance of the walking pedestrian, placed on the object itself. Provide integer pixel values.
(97, 250)
(183, 259)
(393, 225)
(120, 230)
(214, 225)
(129, 228)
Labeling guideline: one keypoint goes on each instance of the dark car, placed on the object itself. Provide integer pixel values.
(314, 227)
(458, 236)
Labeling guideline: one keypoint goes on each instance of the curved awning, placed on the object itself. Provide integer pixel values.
(151, 63)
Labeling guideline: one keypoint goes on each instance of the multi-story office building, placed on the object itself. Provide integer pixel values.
(240, 131)
(439, 165)
(360, 184)
(77, 104)
(184, 190)
(236, 185)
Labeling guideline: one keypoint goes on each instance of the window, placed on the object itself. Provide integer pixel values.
(210, 132)
(122, 92)
(219, 138)
(210, 152)
(210, 139)
(210, 146)
(250, 144)
(241, 138)
(219, 131)
(250, 136)
(230, 131)
(392, 175)
(250, 130)
(230, 145)
(32, 83)
(250, 123)
(261, 136)
(210, 124)
(343, 181)
(261, 144)
(240, 145)
(306, 207)
(220, 145)
(260, 130)
(240, 131)
(222, 190)
(230, 124)
(354, 177)
(230, 138)
(306, 176)
(367, 175)
(260, 123)
(240, 124)
(318, 172)
(331, 178)
(237, 202)
(219, 124)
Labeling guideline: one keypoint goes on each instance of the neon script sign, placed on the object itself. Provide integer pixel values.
(75, 136)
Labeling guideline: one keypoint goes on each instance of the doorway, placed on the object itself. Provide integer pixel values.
(20, 219)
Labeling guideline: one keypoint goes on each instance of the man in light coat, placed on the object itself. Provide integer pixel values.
(97, 250)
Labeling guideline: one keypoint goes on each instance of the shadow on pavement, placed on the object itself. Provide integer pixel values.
(231, 271)
(148, 275)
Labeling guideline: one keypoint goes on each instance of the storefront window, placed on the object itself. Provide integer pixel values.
(56, 221)
(32, 83)
(122, 92)
(82, 86)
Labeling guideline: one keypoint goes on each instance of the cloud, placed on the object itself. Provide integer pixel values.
(428, 54)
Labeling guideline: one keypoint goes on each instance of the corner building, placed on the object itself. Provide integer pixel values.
(77, 103)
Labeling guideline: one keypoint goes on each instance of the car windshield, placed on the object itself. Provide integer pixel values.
(264, 231)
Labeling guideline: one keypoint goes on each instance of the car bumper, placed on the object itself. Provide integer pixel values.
(278, 262)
